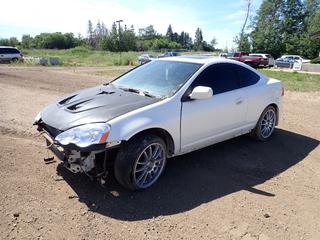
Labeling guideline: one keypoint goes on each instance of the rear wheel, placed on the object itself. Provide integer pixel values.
(249, 64)
(140, 162)
(266, 124)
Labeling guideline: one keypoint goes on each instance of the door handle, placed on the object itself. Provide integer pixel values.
(239, 101)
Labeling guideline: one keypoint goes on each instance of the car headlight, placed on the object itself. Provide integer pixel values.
(37, 118)
(85, 135)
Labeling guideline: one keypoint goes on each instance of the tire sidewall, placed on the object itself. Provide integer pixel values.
(128, 156)
(258, 127)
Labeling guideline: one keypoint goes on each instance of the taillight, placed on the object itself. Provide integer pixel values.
(282, 94)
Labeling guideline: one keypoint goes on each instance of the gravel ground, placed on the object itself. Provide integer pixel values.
(238, 189)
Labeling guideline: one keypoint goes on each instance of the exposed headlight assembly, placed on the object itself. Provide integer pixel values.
(37, 118)
(85, 135)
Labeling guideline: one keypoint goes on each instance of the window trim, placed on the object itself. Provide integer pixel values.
(185, 97)
(239, 78)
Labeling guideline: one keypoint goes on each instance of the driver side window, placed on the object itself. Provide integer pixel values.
(220, 77)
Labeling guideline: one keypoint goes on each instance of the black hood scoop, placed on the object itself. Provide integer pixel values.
(98, 104)
(78, 105)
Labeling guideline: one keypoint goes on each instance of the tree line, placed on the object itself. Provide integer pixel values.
(55, 40)
(117, 38)
(120, 38)
(284, 26)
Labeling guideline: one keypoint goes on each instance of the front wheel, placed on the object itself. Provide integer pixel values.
(266, 124)
(140, 162)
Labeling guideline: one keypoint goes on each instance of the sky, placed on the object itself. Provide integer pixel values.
(220, 19)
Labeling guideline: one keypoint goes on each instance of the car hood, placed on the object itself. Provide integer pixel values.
(98, 104)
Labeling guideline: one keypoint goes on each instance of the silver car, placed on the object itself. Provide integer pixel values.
(9, 54)
(146, 58)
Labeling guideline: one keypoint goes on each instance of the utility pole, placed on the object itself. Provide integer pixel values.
(119, 21)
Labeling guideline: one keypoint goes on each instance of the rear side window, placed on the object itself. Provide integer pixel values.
(13, 50)
(8, 50)
(246, 76)
(220, 77)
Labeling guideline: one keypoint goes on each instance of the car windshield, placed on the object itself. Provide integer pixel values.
(157, 78)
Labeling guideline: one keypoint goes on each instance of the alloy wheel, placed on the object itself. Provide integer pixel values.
(149, 165)
(268, 123)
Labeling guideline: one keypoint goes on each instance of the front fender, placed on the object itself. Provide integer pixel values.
(165, 116)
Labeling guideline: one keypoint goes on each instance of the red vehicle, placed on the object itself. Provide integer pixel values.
(245, 58)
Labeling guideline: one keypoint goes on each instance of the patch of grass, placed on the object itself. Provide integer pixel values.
(81, 56)
(110, 72)
(294, 81)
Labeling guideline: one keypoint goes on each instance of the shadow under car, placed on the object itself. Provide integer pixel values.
(196, 178)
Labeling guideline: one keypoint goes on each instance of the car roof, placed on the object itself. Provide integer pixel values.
(259, 54)
(7, 47)
(200, 59)
(290, 55)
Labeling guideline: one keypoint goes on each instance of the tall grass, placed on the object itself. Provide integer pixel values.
(294, 81)
(81, 56)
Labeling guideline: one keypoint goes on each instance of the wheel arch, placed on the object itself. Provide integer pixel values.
(277, 111)
(160, 132)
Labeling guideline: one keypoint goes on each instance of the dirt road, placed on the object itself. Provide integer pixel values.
(239, 189)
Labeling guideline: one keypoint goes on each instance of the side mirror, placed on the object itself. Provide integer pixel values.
(201, 92)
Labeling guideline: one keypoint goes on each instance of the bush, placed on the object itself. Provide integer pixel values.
(80, 50)
(316, 60)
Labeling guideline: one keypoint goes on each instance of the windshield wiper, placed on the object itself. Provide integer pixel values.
(139, 91)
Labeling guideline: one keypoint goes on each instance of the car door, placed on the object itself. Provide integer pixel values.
(2, 54)
(204, 122)
(255, 103)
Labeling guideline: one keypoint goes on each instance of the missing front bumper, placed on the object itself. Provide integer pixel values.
(56, 150)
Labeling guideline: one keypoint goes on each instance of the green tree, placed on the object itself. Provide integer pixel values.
(148, 33)
(27, 42)
(243, 42)
(13, 41)
(129, 40)
(90, 33)
(169, 33)
(198, 41)
(267, 27)
(311, 45)
(293, 25)
(4, 42)
(310, 10)
(213, 42)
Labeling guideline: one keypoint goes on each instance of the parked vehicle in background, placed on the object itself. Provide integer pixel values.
(164, 108)
(268, 60)
(146, 58)
(284, 63)
(223, 55)
(169, 54)
(245, 58)
(296, 58)
(10, 54)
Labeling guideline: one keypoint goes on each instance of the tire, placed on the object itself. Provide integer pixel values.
(265, 125)
(14, 60)
(140, 162)
(249, 64)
